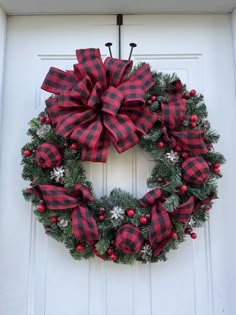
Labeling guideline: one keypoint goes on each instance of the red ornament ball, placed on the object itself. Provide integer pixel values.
(178, 148)
(27, 153)
(74, 146)
(48, 121)
(186, 96)
(80, 248)
(183, 188)
(42, 119)
(41, 207)
(130, 212)
(143, 220)
(174, 235)
(184, 155)
(153, 98)
(110, 251)
(207, 208)
(160, 144)
(193, 118)
(54, 219)
(193, 92)
(216, 165)
(102, 210)
(216, 170)
(101, 217)
(192, 125)
(113, 257)
(188, 230)
(193, 235)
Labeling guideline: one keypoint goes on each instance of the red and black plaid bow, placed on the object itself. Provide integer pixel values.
(98, 103)
(173, 113)
(161, 227)
(59, 198)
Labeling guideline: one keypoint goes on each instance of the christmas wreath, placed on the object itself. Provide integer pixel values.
(99, 103)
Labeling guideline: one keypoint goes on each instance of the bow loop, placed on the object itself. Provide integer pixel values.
(150, 198)
(117, 70)
(184, 211)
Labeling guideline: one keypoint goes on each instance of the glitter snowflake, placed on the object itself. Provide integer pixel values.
(62, 223)
(117, 213)
(58, 174)
(146, 252)
(172, 156)
(205, 125)
(43, 130)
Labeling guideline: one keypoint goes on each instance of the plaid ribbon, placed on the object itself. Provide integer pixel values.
(161, 227)
(48, 156)
(98, 103)
(195, 170)
(129, 239)
(59, 198)
(205, 201)
(173, 113)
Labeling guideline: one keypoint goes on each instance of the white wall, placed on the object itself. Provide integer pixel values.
(233, 21)
(3, 26)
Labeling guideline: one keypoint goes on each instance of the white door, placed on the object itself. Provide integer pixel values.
(38, 277)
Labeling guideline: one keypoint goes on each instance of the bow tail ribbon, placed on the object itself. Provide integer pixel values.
(161, 227)
(59, 198)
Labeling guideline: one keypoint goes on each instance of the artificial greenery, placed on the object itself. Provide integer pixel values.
(165, 175)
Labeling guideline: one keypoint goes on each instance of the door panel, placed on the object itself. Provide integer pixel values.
(38, 276)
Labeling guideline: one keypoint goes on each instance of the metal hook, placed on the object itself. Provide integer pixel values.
(132, 45)
(109, 47)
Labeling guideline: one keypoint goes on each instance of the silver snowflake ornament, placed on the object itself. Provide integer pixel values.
(62, 223)
(58, 174)
(117, 213)
(172, 156)
(146, 252)
(43, 130)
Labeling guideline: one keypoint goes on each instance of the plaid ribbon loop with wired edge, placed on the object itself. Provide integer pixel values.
(173, 113)
(99, 103)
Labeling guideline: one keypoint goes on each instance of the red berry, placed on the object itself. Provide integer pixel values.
(184, 155)
(74, 146)
(54, 219)
(153, 98)
(192, 125)
(193, 118)
(113, 257)
(80, 248)
(110, 251)
(130, 212)
(193, 92)
(188, 230)
(216, 170)
(143, 220)
(102, 210)
(41, 207)
(207, 208)
(27, 153)
(101, 217)
(216, 165)
(160, 179)
(186, 96)
(174, 235)
(42, 119)
(183, 188)
(193, 236)
(160, 144)
(178, 148)
(48, 121)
